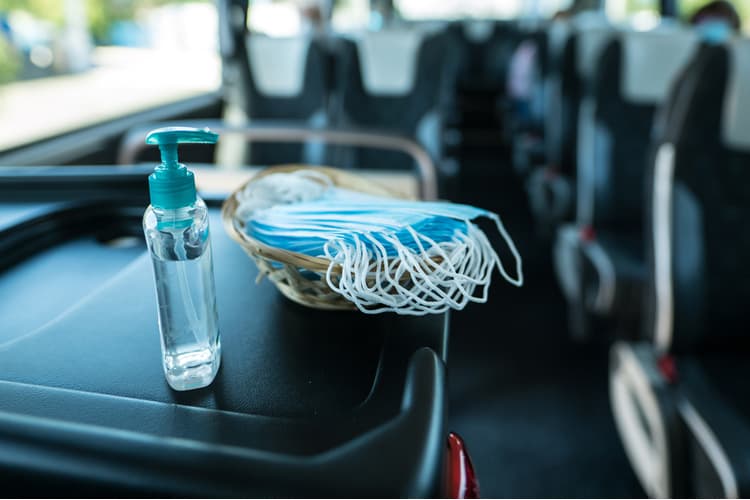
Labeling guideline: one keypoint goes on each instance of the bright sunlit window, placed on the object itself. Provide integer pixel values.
(458, 9)
(66, 64)
(275, 18)
(642, 14)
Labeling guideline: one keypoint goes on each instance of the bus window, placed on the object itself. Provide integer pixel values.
(642, 14)
(417, 10)
(65, 65)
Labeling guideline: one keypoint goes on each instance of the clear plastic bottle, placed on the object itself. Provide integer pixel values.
(177, 232)
(183, 271)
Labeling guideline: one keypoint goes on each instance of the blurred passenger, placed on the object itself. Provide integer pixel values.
(520, 78)
(561, 15)
(717, 11)
(716, 21)
(382, 15)
(314, 18)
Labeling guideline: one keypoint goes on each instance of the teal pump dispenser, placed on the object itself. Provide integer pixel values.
(176, 226)
(172, 185)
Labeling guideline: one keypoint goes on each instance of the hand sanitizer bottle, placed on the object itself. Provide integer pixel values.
(176, 229)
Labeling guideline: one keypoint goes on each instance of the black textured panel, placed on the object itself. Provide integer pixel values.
(279, 359)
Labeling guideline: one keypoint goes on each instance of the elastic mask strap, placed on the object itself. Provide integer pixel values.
(518, 281)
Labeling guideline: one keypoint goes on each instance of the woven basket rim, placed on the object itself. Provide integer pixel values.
(256, 248)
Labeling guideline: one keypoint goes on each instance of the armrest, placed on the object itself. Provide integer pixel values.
(716, 413)
(615, 273)
(645, 408)
(566, 255)
(550, 194)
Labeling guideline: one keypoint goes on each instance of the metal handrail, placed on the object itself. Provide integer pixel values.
(260, 131)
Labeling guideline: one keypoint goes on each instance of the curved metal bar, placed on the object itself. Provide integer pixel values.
(260, 131)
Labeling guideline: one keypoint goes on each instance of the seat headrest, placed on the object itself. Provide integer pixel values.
(478, 30)
(736, 113)
(557, 33)
(591, 41)
(590, 19)
(388, 60)
(651, 61)
(278, 64)
(531, 25)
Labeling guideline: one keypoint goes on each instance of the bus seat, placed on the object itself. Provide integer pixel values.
(284, 79)
(486, 47)
(527, 73)
(394, 80)
(580, 42)
(272, 79)
(635, 72)
(698, 289)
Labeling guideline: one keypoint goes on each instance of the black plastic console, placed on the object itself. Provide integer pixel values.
(306, 403)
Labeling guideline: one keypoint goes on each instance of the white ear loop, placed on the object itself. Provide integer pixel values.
(442, 275)
(518, 280)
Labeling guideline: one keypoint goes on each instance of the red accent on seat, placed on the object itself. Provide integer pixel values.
(460, 478)
(587, 234)
(668, 368)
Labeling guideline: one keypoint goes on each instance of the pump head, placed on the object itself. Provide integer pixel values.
(172, 185)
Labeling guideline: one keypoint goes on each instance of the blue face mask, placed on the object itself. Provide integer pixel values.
(307, 231)
(714, 31)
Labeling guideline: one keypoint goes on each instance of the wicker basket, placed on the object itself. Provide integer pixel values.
(299, 277)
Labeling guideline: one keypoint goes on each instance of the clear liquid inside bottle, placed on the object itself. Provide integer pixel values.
(183, 270)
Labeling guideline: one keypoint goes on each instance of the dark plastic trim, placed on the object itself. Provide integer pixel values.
(400, 458)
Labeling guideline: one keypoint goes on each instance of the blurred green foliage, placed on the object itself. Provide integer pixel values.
(9, 64)
(50, 10)
(633, 6)
(101, 13)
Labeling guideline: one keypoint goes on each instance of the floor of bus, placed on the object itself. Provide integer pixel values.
(531, 403)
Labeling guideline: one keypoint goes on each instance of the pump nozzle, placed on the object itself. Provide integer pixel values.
(172, 185)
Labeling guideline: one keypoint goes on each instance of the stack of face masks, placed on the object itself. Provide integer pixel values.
(386, 254)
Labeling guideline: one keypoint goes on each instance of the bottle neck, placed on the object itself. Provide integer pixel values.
(177, 218)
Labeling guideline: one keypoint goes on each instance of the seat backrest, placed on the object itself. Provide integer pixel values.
(388, 61)
(698, 239)
(558, 33)
(393, 80)
(286, 77)
(283, 79)
(584, 38)
(592, 41)
(485, 47)
(635, 72)
(391, 77)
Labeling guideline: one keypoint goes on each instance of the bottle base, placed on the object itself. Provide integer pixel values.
(192, 370)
